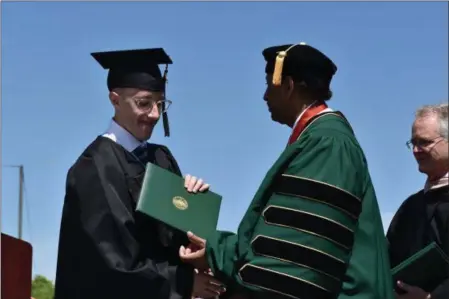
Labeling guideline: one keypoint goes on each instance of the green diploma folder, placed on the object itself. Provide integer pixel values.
(425, 269)
(164, 198)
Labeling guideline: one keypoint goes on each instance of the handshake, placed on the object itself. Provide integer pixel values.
(204, 284)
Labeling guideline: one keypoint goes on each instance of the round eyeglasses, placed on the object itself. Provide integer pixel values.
(147, 104)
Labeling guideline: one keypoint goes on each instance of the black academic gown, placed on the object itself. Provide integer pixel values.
(106, 249)
(422, 219)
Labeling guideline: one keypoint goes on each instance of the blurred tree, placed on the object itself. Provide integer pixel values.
(42, 288)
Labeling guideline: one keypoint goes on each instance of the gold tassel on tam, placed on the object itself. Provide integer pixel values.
(279, 64)
(164, 114)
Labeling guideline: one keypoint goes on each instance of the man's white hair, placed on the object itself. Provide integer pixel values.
(441, 111)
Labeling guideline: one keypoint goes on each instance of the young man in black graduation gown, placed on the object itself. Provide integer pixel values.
(424, 216)
(106, 249)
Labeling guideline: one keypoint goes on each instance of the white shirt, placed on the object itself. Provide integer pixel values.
(118, 134)
(441, 182)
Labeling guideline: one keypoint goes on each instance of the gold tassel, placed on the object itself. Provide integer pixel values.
(279, 65)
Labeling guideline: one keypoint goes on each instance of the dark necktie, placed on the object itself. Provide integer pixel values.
(142, 153)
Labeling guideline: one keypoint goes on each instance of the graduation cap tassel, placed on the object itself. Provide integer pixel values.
(165, 122)
(279, 64)
(164, 114)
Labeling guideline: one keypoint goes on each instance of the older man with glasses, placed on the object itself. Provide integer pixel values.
(424, 217)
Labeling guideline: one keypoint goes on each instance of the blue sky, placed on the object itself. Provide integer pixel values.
(392, 58)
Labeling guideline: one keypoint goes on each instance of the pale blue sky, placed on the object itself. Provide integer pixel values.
(392, 58)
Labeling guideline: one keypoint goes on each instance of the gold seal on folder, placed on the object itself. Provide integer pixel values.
(180, 203)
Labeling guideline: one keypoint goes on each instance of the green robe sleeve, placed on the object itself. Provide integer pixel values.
(296, 237)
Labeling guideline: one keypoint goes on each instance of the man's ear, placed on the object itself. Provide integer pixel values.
(114, 97)
(289, 85)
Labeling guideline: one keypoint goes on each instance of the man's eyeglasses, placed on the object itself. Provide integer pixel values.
(147, 104)
(421, 143)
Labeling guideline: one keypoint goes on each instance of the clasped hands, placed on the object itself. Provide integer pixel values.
(204, 285)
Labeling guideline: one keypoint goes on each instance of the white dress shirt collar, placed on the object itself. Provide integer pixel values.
(118, 134)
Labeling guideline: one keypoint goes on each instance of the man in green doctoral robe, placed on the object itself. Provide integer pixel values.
(313, 229)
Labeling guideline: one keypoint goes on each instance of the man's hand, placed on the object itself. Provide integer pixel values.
(193, 184)
(195, 252)
(411, 292)
(205, 286)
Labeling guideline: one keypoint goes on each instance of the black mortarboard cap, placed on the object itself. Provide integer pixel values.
(300, 61)
(136, 69)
